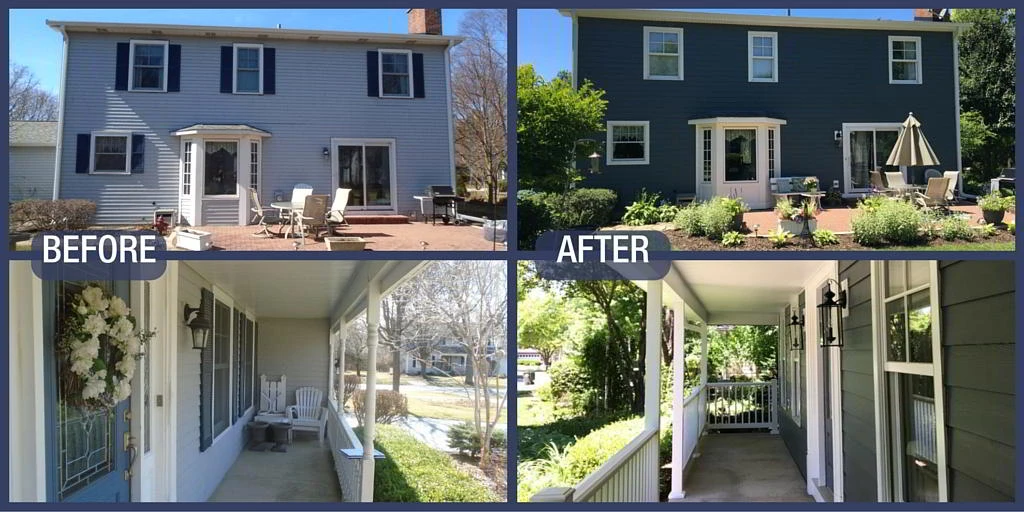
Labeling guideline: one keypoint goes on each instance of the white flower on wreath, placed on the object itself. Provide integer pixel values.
(95, 324)
(122, 389)
(126, 366)
(93, 297)
(118, 307)
(94, 387)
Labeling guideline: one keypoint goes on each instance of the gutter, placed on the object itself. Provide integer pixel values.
(956, 106)
(451, 113)
(60, 114)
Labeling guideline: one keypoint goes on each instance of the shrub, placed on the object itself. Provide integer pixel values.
(996, 202)
(887, 220)
(989, 230)
(780, 237)
(588, 207)
(463, 437)
(594, 449)
(712, 219)
(570, 388)
(528, 362)
(391, 406)
(823, 237)
(643, 211)
(412, 471)
(732, 239)
(956, 228)
(533, 219)
(351, 383)
(688, 220)
(1012, 227)
(44, 214)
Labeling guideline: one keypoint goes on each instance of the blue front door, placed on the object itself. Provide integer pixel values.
(88, 459)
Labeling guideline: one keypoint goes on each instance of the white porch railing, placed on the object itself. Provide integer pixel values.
(344, 444)
(631, 475)
(735, 405)
(695, 414)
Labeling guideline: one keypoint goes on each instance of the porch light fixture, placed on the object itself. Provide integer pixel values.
(326, 152)
(830, 315)
(798, 334)
(200, 326)
(838, 136)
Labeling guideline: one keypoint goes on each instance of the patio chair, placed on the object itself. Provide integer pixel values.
(313, 216)
(272, 395)
(878, 184)
(308, 414)
(935, 195)
(336, 215)
(952, 197)
(262, 216)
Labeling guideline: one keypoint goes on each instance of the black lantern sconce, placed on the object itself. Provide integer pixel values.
(830, 315)
(326, 152)
(798, 332)
(200, 326)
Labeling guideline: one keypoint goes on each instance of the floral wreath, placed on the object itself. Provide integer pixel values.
(101, 347)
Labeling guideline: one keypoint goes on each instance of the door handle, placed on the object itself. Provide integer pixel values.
(133, 453)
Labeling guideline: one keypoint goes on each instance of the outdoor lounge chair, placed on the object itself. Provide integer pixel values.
(896, 181)
(260, 216)
(935, 195)
(336, 215)
(952, 197)
(308, 414)
(313, 216)
(878, 183)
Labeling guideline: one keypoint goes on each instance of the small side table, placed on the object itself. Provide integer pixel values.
(276, 420)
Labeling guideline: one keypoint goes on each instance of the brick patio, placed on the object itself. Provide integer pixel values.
(838, 219)
(415, 236)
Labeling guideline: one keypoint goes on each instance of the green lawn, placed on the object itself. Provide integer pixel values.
(972, 246)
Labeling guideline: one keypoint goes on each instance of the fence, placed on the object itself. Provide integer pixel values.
(742, 405)
(695, 413)
(344, 443)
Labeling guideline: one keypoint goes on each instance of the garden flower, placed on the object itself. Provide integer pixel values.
(95, 324)
(118, 307)
(93, 297)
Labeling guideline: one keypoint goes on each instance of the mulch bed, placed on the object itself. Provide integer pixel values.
(494, 477)
(682, 242)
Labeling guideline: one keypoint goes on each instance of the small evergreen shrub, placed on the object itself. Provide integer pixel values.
(533, 219)
(463, 438)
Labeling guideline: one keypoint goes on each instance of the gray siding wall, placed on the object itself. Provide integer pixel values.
(298, 348)
(321, 93)
(199, 473)
(978, 346)
(827, 77)
(858, 415)
(30, 172)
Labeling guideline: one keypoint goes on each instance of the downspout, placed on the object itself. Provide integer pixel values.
(60, 116)
(956, 89)
(575, 37)
(451, 114)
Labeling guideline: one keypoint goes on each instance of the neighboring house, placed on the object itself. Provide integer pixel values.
(184, 425)
(447, 358)
(913, 399)
(707, 104)
(32, 146)
(189, 117)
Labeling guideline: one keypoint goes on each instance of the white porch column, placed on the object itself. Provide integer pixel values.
(704, 356)
(652, 358)
(342, 338)
(369, 423)
(678, 394)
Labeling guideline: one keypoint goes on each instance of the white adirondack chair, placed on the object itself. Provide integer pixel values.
(273, 395)
(308, 414)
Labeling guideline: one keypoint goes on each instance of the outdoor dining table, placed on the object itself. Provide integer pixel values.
(292, 209)
(908, 190)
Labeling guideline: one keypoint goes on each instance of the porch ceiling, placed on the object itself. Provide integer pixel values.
(728, 290)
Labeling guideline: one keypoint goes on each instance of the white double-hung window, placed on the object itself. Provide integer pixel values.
(629, 142)
(663, 53)
(904, 60)
(248, 68)
(762, 56)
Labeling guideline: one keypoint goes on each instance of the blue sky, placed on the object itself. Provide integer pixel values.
(35, 45)
(545, 36)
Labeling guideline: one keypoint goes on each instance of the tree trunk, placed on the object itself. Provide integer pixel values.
(396, 369)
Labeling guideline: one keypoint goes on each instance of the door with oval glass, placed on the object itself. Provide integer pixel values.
(88, 450)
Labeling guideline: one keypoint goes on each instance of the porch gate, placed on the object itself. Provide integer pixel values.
(742, 405)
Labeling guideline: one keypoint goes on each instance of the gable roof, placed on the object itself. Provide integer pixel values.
(762, 20)
(159, 30)
(33, 133)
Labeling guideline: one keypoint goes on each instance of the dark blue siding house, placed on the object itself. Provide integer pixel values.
(703, 105)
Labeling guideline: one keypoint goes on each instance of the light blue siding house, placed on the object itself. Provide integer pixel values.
(30, 159)
(188, 117)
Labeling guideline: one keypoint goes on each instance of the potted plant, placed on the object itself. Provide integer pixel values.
(194, 240)
(811, 184)
(791, 217)
(994, 206)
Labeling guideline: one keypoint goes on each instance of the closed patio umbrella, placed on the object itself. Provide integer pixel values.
(912, 148)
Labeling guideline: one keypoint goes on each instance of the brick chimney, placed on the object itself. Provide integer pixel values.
(424, 21)
(931, 14)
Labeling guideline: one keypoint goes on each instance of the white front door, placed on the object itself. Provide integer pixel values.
(866, 147)
(736, 157)
(744, 169)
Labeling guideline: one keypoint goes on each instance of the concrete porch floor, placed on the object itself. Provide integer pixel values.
(304, 473)
(744, 467)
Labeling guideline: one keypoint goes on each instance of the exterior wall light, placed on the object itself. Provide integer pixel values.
(798, 334)
(830, 315)
(200, 326)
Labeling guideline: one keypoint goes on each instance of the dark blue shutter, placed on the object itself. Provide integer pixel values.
(174, 68)
(138, 153)
(417, 76)
(269, 71)
(206, 378)
(372, 71)
(121, 77)
(82, 152)
(227, 58)
(239, 354)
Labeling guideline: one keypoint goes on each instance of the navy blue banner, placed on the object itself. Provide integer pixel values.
(98, 255)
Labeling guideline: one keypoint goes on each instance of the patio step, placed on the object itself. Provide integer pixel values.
(377, 219)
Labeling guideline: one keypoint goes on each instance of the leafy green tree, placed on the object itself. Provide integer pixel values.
(553, 116)
(542, 324)
(974, 135)
(732, 350)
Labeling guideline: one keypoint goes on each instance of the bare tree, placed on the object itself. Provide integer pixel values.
(28, 101)
(355, 344)
(468, 299)
(401, 328)
(479, 75)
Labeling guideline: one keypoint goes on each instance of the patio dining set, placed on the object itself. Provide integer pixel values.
(940, 192)
(305, 214)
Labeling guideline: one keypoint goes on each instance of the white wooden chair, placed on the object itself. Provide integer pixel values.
(336, 215)
(308, 413)
(273, 395)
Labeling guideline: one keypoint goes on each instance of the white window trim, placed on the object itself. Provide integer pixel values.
(849, 191)
(917, 62)
(701, 179)
(188, 161)
(221, 296)
(128, 151)
(647, 54)
(775, 56)
(609, 145)
(380, 74)
(882, 368)
(392, 145)
(251, 342)
(234, 68)
(131, 64)
(239, 143)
